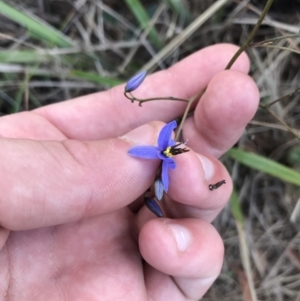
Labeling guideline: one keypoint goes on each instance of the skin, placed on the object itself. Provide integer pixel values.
(72, 223)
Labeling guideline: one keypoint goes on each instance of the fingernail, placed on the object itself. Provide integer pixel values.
(182, 236)
(141, 135)
(208, 167)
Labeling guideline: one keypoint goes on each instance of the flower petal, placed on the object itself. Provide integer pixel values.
(165, 175)
(153, 207)
(171, 163)
(146, 152)
(161, 156)
(169, 160)
(171, 142)
(135, 81)
(165, 135)
(158, 189)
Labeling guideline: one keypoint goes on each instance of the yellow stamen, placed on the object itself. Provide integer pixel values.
(167, 152)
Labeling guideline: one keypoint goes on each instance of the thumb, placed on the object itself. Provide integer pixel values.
(46, 183)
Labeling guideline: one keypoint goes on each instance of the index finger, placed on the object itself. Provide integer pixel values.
(109, 114)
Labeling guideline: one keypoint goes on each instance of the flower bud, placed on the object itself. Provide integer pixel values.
(135, 81)
(158, 189)
(153, 207)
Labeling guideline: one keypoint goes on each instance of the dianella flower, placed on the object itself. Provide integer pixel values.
(165, 150)
(135, 82)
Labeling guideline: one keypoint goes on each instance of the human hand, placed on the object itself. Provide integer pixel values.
(70, 193)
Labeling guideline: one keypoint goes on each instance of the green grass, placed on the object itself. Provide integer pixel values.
(36, 27)
(95, 78)
(265, 165)
(236, 208)
(23, 56)
(179, 7)
(142, 17)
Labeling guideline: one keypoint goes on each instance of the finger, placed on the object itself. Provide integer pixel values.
(28, 125)
(229, 103)
(3, 236)
(52, 182)
(110, 114)
(190, 250)
(189, 194)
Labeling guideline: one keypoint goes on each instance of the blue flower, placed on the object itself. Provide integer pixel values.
(164, 151)
(135, 81)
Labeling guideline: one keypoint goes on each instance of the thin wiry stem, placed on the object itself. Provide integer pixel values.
(142, 100)
(281, 121)
(281, 98)
(270, 41)
(187, 109)
(251, 36)
(276, 47)
(198, 95)
(267, 108)
(229, 65)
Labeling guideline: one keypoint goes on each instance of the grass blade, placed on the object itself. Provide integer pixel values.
(96, 78)
(243, 243)
(180, 8)
(22, 56)
(184, 35)
(36, 26)
(265, 165)
(141, 15)
(236, 208)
